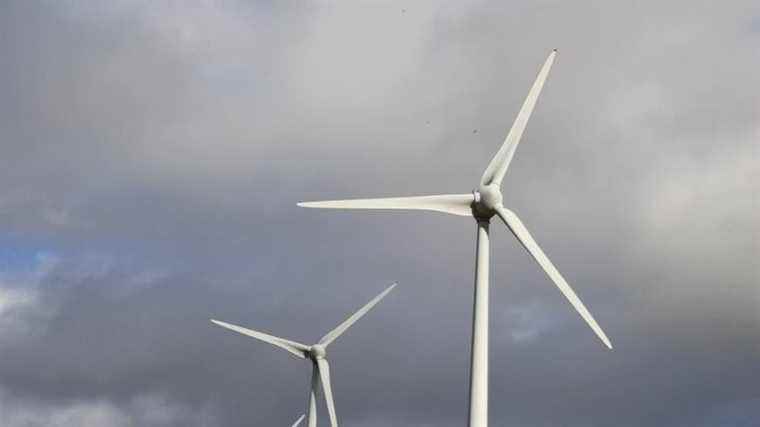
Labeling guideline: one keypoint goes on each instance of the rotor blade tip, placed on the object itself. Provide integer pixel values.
(606, 342)
(218, 323)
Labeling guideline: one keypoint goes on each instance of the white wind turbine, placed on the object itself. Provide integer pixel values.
(298, 421)
(482, 204)
(316, 353)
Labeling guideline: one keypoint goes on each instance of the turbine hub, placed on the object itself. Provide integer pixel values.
(487, 199)
(318, 351)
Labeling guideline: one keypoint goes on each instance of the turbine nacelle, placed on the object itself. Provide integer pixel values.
(317, 352)
(488, 199)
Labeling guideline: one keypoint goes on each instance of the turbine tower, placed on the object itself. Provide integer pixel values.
(316, 353)
(482, 204)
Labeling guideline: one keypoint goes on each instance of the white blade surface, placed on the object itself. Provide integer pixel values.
(522, 234)
(298, 421)
(324, 373)
(498, 167)
(340, 329)
(312, 409)
(455, 204)
(293, 347)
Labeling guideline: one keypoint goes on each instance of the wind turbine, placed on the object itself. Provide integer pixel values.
(482, 204)
(316, 353)
(298, 421)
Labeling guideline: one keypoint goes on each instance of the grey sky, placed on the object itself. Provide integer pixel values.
(151, 155)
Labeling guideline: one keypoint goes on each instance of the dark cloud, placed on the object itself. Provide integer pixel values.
(152, 155)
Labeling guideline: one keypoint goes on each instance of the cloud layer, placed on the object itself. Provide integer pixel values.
(152, 155)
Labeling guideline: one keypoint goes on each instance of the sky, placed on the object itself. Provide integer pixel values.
(152, 154)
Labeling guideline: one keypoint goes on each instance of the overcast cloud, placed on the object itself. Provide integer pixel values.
(151, 155)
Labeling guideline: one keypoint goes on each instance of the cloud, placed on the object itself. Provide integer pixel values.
(24, 309)
(156, 150)
(526, 322)
(31, 297)
(15, 305)
(148, 409)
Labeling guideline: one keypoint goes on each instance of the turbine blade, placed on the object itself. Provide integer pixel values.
(340, 329)
(522, 234)
(293, 347)
(498, 167)
(455, 204)
(324, 373)
(313, 393)
(298, 421)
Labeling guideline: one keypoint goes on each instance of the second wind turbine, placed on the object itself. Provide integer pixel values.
(482, 204)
